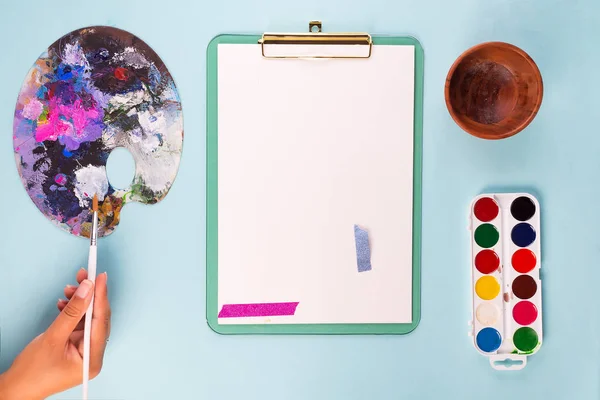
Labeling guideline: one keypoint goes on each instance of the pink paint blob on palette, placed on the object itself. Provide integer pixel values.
(505, 272)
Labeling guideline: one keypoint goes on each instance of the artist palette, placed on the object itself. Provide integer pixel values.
(94, 90)
(506, 284)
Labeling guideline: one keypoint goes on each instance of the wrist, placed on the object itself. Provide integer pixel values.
(10, 388)
(6, 390)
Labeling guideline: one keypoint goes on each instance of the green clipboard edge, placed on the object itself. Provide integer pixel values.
(212, 204)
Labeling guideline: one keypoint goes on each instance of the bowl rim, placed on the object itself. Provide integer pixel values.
(526, 121)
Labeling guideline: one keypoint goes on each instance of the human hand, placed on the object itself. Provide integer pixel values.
(53, 361)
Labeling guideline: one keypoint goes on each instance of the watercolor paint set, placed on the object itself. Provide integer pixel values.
(506, 284)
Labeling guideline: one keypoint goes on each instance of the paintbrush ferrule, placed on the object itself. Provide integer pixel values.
(94, 232)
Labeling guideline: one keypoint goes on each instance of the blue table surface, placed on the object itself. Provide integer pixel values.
(161, 346)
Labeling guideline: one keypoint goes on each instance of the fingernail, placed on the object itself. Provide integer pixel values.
(83, 289)
(82, 269)
(69, 286)
(106, 274)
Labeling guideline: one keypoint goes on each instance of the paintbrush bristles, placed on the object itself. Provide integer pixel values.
(95, 203)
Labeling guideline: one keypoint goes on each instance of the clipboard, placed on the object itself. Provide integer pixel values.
(311, 136)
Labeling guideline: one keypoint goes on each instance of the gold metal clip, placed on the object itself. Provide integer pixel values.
(315, 36)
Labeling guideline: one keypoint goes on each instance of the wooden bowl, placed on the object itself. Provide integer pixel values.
(493, 90)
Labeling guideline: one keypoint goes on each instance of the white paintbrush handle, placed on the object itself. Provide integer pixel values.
(88, 323)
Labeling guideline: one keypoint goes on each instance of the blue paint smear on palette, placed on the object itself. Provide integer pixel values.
(363, 250)
(523, 234)
(489, 340)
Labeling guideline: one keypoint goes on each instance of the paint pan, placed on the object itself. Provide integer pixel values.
(505, 273)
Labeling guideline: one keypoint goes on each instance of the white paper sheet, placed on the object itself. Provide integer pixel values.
(307, 149)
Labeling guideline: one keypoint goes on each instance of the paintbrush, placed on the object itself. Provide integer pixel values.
(88, 315)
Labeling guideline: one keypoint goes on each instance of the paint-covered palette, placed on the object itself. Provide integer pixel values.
(93, 90)
(506, 284)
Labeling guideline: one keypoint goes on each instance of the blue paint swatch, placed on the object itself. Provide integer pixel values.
(523, 234)
(489, 340)
(363, 250)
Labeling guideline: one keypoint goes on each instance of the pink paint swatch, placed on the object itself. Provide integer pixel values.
(257, 310)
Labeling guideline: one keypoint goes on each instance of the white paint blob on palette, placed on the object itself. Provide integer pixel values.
(506, 284)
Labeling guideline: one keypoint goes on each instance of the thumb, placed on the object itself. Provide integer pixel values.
(67, 320)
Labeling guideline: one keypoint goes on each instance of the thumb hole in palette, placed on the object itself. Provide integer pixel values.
(120, 168)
